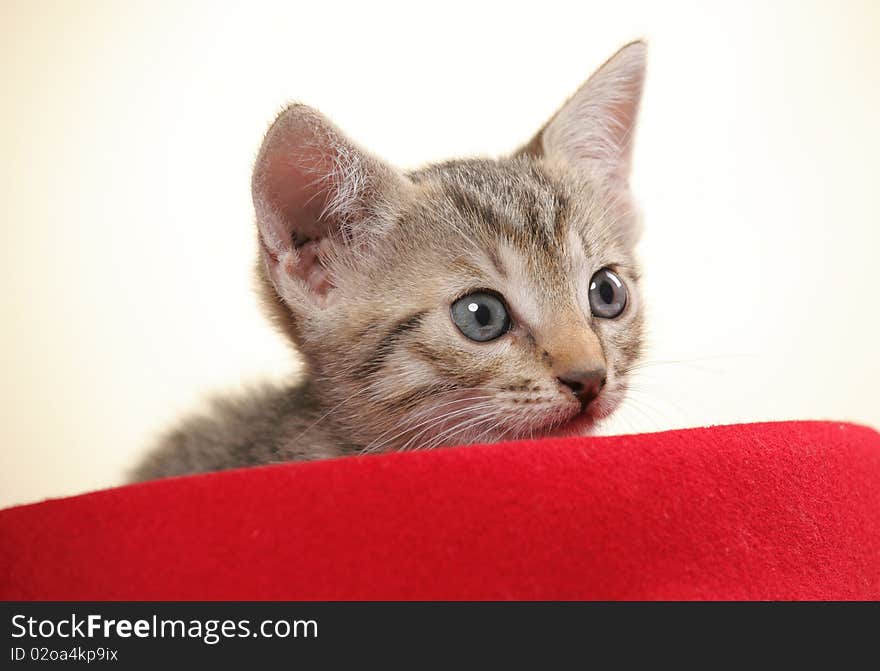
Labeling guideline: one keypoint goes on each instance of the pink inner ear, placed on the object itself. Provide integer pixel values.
(310, 267)
(296, 186)
(293, 184)
(312, 188)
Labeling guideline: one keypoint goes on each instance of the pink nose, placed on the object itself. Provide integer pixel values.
(584, 384)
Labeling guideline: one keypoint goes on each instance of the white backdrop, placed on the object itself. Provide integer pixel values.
(128, 132)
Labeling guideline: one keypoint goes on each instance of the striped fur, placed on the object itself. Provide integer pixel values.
(360, 263)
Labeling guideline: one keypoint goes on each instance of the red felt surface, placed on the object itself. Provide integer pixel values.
(761, 511)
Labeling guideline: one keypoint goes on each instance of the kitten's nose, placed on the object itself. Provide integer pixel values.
(584, 384)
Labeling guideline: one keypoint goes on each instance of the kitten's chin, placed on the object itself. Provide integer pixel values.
(579, 425)
(584, 422)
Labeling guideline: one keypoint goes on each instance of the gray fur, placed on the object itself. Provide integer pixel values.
(267, 425)
(360, 263)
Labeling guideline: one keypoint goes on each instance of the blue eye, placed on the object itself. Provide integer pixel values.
(481, 316)
(607, 294)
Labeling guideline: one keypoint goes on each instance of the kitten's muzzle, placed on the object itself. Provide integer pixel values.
(584, 384)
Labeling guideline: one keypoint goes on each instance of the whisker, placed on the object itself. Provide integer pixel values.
(375, 445)
(328, 413)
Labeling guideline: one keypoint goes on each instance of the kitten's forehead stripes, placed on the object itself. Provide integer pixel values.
(385, 367)
(469, 204)
(503, 197)
(492, 253)
(560, 220)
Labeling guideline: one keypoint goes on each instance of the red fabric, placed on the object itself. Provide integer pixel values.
(786, 510)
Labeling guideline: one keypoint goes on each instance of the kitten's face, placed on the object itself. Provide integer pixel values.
(466, 302)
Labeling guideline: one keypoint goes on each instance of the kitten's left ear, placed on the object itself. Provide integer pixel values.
(319, 198)
(594, 129)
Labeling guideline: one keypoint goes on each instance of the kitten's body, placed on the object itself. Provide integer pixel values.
(360, 265)
(271, 424)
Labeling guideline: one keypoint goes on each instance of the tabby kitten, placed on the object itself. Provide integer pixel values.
(469, 301)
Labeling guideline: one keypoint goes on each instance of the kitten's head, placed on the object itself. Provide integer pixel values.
(468, 301)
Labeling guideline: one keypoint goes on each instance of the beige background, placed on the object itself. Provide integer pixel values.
(127, 136)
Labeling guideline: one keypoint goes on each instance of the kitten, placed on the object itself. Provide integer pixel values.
(469, 301)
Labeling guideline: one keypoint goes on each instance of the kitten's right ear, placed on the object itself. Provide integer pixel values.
(316, 196)
(593, 130)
